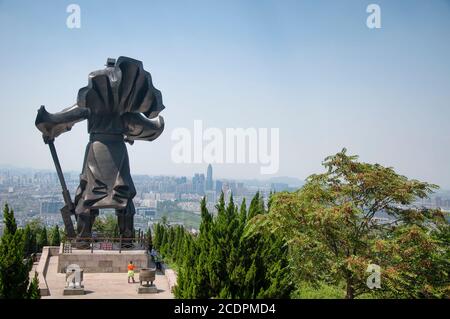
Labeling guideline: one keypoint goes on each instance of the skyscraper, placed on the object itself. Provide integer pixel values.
(209, 180)
(219, 185)
(198, 183)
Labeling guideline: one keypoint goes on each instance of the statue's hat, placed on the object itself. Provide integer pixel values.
(110, 62)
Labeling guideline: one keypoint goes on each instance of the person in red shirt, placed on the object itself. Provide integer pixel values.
(131, 272)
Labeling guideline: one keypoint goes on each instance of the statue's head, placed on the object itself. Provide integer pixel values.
(110, 62)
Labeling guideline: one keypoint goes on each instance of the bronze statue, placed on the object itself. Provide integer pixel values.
(121, 105)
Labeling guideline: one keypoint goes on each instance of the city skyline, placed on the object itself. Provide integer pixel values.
(291, 180)
(36, 195)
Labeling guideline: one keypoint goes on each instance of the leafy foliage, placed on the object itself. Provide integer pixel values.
(106, 226)
(334, 234)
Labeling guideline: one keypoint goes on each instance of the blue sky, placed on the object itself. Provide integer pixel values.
(311, 68)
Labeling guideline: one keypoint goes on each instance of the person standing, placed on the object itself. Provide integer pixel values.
(131, 268)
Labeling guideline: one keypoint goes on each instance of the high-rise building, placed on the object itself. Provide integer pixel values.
(219, 185)
(209, 180)
(198, 183)
(146, 211)
(51, 207)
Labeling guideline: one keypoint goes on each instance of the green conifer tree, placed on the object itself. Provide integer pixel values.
(149, 239)
(255, 206)
(164, 241)
(42, 238)
(33, 289)
(223, 261)
(203, 287)
(243, 213)
(55, 236)
(9, 220)
(14, 269)
(29, 241)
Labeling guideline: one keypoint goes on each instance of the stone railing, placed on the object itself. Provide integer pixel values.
(171, 276)
(42, 267)
(106, 243)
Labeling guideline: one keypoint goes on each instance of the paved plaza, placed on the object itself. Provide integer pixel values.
(104, 285)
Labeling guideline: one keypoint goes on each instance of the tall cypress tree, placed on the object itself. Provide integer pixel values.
(149, 239)
(42, 238)
(203, 242)
(55, 236)
(224, 262)
(159, 232)
(14, 270)
(29, 241)
(243, 213)
(170, 240)
(179, 238)
(9, 220)
(255, 206)
(34, 291)
(186, 281)
(164, 240)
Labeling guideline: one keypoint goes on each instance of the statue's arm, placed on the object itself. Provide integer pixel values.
(54, 124)
(139, 127)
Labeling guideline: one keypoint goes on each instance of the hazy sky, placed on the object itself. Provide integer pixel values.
(310, 68)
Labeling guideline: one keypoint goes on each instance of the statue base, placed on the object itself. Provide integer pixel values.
(103, 261)
(147, 289)
(73, 291)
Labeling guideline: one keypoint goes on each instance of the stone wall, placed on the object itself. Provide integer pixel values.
(171, 276)
(42, 266)
(103, 261)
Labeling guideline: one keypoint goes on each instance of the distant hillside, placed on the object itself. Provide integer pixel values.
(291, 181)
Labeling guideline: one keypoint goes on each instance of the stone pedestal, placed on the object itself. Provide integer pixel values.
(73, 291)
(101, 261)
(147, 289)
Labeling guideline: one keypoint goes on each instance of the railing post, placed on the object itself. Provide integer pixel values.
(92, 245)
